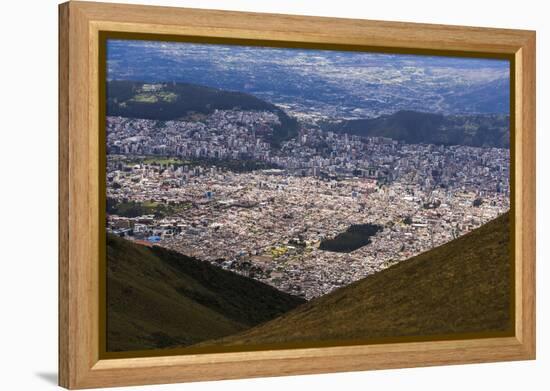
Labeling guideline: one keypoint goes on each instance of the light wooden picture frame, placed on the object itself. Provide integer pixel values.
(82, 143)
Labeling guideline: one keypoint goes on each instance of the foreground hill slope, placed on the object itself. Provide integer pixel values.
(460, 287)
(158, 298)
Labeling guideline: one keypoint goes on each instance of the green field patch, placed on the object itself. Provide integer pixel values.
(155, 97)
(163, 161)
(145, 98)
(166, 96)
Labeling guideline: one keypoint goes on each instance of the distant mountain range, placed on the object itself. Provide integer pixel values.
(172, 101)
(491, 97)
(487, 130)
(158, 298)
(460, 287)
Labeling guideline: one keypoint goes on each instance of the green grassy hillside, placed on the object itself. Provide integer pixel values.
(460, 287)
(158, 298)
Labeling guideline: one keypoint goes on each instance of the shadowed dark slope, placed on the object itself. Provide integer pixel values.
(159, 298)
(460, 287)
(489, 130)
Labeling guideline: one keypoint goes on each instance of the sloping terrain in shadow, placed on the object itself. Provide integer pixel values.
(157, 298)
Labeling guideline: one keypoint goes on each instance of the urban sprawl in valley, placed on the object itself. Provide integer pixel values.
(213, 187)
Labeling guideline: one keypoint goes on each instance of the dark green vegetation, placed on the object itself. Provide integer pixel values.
(163, 162)
(460, 287)
(490, 130)
(171, 101)
(135, 209)
(234, 165)
(158, 298)
(356, 236)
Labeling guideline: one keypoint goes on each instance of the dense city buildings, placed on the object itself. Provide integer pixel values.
(212, 186)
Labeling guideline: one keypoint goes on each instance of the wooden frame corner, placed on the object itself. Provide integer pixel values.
(80, 24)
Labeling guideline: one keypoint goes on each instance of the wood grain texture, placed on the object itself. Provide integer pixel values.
(80, 23)
(526, 95)
(63, 220)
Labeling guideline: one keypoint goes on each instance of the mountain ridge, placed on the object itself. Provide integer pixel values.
(172, 101)
(415, 127)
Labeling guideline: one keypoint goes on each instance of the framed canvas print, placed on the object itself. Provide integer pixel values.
(247, 195)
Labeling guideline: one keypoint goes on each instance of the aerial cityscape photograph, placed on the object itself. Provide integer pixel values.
(265, 196)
